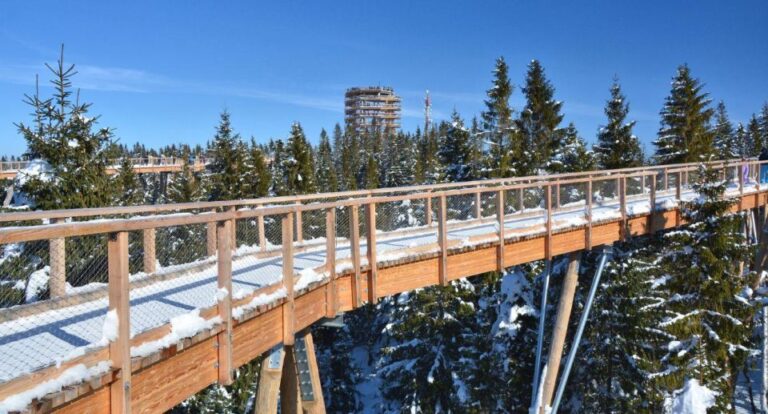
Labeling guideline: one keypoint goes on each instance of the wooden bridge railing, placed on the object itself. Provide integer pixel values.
(459, 205)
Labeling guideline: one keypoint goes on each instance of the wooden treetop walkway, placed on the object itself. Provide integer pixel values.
(10, 169)
(148, 305)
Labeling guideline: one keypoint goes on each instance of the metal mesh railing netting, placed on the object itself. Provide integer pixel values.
(22, 265)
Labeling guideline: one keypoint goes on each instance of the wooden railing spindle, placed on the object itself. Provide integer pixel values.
(289, 327)
(57, 249)
(500, 223)
(119, 312)
(224, 230)
(370, 224)
(354, 242)
(150, 251)
(442, 240)
(331, 297)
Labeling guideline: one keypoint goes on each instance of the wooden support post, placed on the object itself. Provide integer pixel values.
(299, 226)
(312, 401)
(57, 250)
(548, 240)
(500, 222)
(589, 215)
(232, 230)
(270, 378)
(354, 243)
(679, 197)
(119, 310)
(557, 195)
(150, 251)
(560, 330)
(370, 225)
(224, 295)
(428, 211)
(262, 232)
(211, 237)
(290, 402)
(623, 205)
(521, 200)
(288, 281)
(478, 206)
(331, 298)
(741, 186)
(652, 204)
(666, 180)
(442, 241)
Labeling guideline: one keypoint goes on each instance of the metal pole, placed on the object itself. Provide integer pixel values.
(764, 361)
(579, 331)
(540, 340)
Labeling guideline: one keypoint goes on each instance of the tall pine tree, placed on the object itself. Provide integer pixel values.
(724, 140)
(539, 120)
(497, 124)
(617, 147)
(685, 134)
(326, 171)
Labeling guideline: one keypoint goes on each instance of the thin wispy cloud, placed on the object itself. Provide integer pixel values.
(116, 79)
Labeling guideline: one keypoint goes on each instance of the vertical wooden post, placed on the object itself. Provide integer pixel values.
(262, 232)
(370, 225)
(500, 222)
(288, 281)
(233, 230)
(623, 205)
(442, 240)
(354, 236)
(521, 200)
(589, 214)
(478, 206)
(211, 237)
(269, 382)
(548, 240)
(666, 180)
(331, 298)
(652, 203)
(57, 283)
(224, 279)
(150, 251)
(290, 402)
(428, 211)
(679, 197)
(315, 405)
(561, 328)
(119, 308)
(299, 226)
(557, 195)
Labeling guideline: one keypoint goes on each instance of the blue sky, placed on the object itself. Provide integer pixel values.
(160, 72)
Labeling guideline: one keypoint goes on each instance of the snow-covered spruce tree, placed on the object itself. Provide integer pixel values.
(349, 159)
(426, 367)
(764, 122)
(756, 139)
(398, 161)
(725, 140)
(224, 178)
(708, 313)
(71, 172)
(257, 174)
(277, 168)
(539, 120)
(339, 373)
(617, 147)
(504, 341)
(621, 342)
(184, 186)
(299, 164)
(427, 163)
(685, 134)
(497, 124)
(571, 154)
(326, 171)
(741, 141)
(455, 151)
(128, 191)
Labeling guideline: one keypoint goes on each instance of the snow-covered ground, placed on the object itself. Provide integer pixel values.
(44, 339)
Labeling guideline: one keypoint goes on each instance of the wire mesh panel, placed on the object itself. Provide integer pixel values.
(247, 232)
(312, 225)
(460, 207)
(24, 273)
(273, 232)
(488, 203)
(400, 215)
(86, 258)
(180, 245)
